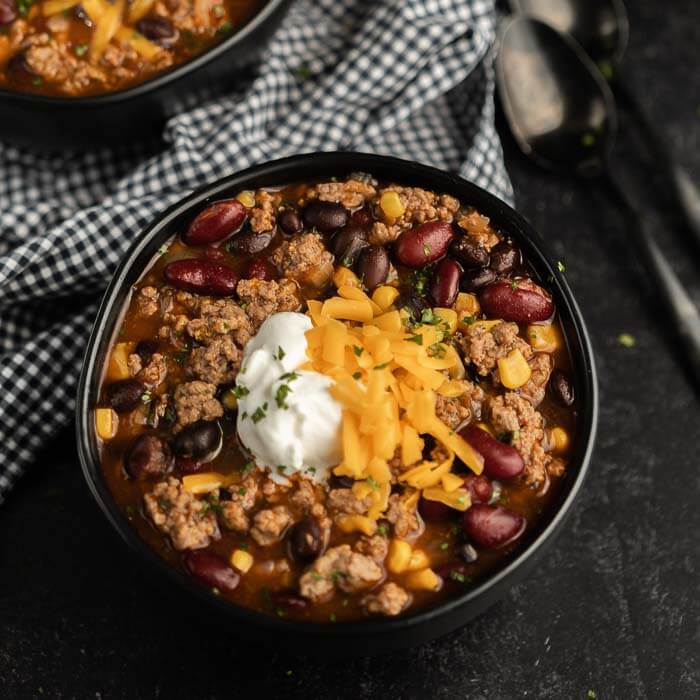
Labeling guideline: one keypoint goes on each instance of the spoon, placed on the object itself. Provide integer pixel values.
(562, 114)
(601, 27)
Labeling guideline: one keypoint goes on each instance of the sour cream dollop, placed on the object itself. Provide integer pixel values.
(287, 417)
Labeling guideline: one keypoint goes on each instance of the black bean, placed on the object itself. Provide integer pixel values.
(306, 539)
(472, 280)
(471, 254)
(200, 440)
(340, 482)
(289, 221)
(125, 395)
(325, 216)
(562, 388)
(250, 243)
(146, 348)
(159, 30)
(372, 266)
(504, 258)
(348, 243)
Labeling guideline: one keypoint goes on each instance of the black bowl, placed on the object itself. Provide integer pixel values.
(138, 112)
(368, 636)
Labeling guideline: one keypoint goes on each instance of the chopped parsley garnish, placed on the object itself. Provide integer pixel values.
(146, 397)
(281, 395)
(384, 365)
(164, 248)
(170, 414)
(242, 491)
(280, 353)
(588, 139)
(281, 468)
(444, 546)
(469, 320)
(81, 50)
(335, 575)
(248, 466)
(240, 391)
(373, 483)
(37, 82)
(427, 249)
(130, 510)
(560, 266)
(437, 350)
(225, 28)
(458, 576)
(417, 339)
(419, 280)
(243, 545)
(23, 6)
(357, 350)
(382, 530)
(514, 284)
(289, 376)
(316, 576)
(332, 618)
(259, 413)
(591, 694)
(427, 316)
(627, 340)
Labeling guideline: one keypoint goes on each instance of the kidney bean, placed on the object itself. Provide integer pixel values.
(372, 266)
(519, 301)
(149, 456)
(325, 216)
(125, 395)
(8, 12)
(501, 461)
(362, 217)
(288, 599)
(473, 280)
(214, 254)
(289, 221)
(479, 487)
(211, 570)
(306, 540)
(423, 244)
(505, 257)
(200, 440)
(201, 277)
(250, 242)
(467, 553)
(189, 465)
(260, 268)
(470, 253)
(445, 283)
(562, 388)
(493, 526)
(216, 222)
(159, 30)
(348, 243)
(434, 511)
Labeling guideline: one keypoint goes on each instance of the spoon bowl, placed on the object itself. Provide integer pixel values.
(562, 113)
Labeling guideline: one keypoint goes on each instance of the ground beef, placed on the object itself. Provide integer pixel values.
(454, 411)
(195, 401)
(262, 215)
(419, 206)
(345, 501)
(513, 414)
(272, 491)
(215, 317)
(534, 389)
(339, 568)
(406, 522)
(375, 547)
(351, 194)
(269, 525)
(391, 599)
(183, 15)
(262, 298)
(483, 347)
(305, 259)
(233, 517)
(216, 363)
(479, 228)
(147, 301)
(153, 373)
(189, 522)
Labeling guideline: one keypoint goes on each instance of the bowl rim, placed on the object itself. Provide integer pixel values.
(288, 170)
(159, 80)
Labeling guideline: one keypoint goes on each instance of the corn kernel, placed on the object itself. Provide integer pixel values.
(356, 523)
(467, 304)
(514, 370)
(483, 426)
(451, 482)
(390, 203)
(560, 440)
(448, 316)
(118, 367)
(203, 482)
(228, 398)
(424, 580)
(241, 560)
(106, 423)
(345, 277)
(399, 556)
(246, 198)
(458, 498)
(543, 338)
(385, 296)
(419, 560)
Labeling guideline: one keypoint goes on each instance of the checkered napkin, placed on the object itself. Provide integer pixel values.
(411, 78)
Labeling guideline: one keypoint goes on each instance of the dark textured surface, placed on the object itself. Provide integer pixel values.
(614, 608)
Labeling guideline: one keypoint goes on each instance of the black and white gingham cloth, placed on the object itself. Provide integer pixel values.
(411, 78)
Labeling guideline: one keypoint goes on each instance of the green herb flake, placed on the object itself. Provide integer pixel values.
(244, 546)
(289, 377)
(560, 266)
(444, 546)
(332, 618)
(591, 694)
(588, 139)
(281, 395)
(280, 353)
(225, 27)
(427, 316)
(384, 365)
(514, 284)
(81, 50)
(316, 576)
(373, 484)
(382, 530)
(247, 467)
(458, 576)
(469, 320)
(357, 350)
(37, 82)
(259, 413)
(417, 339)
(427, 249)
(242, 491)
(146, 397)
(626, 340)
(281, 469)
(240, 390)
(606, 68)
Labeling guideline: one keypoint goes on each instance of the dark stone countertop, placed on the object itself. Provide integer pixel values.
(614, 607)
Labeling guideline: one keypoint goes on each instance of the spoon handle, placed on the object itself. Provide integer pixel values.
(680, 183)
(667, 285)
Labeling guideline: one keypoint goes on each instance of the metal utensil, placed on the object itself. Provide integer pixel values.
(563, 115)
(601, 27)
